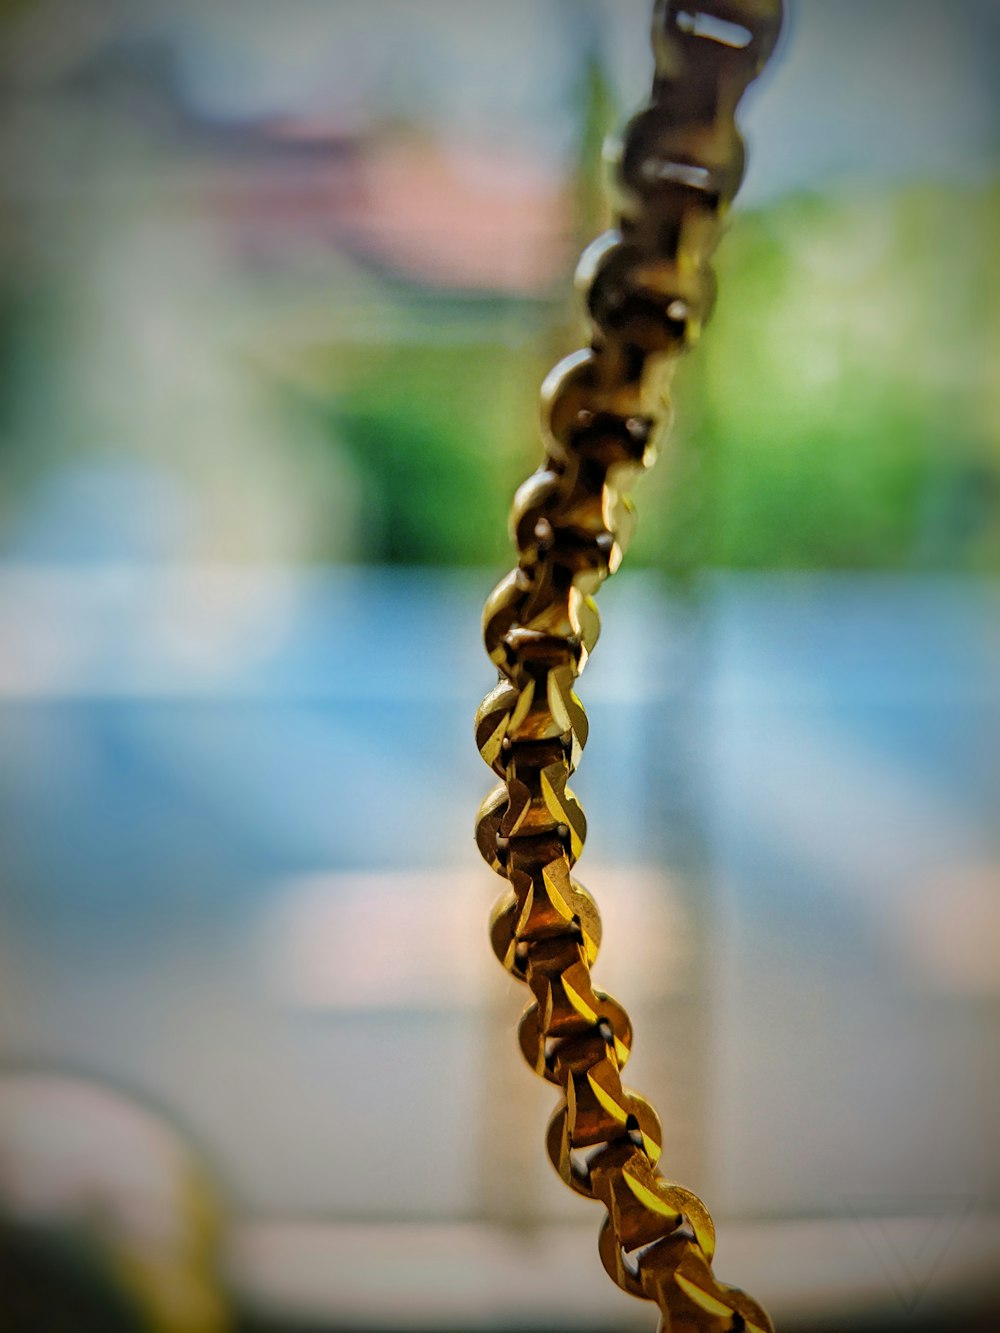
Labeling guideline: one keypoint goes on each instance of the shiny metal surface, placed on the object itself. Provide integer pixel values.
(648, 288)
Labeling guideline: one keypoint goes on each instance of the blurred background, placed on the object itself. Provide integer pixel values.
(278, 285)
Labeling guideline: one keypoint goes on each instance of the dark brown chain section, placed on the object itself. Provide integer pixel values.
(648, 289)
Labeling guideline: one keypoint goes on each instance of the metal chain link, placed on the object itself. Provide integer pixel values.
(648, 289)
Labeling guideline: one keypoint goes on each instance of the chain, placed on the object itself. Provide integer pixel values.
(648, 289)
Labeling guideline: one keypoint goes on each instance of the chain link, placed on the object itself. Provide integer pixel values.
(648, 288)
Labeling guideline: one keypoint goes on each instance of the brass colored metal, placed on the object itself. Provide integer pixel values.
(648, 288)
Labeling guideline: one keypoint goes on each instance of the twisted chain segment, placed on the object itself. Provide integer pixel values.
(648, 289)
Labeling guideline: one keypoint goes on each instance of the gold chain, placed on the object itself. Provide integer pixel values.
(648, 288)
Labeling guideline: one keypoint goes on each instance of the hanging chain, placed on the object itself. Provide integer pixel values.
(648, 289)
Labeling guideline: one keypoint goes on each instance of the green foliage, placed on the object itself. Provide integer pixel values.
(439, 436)
(837, 414)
